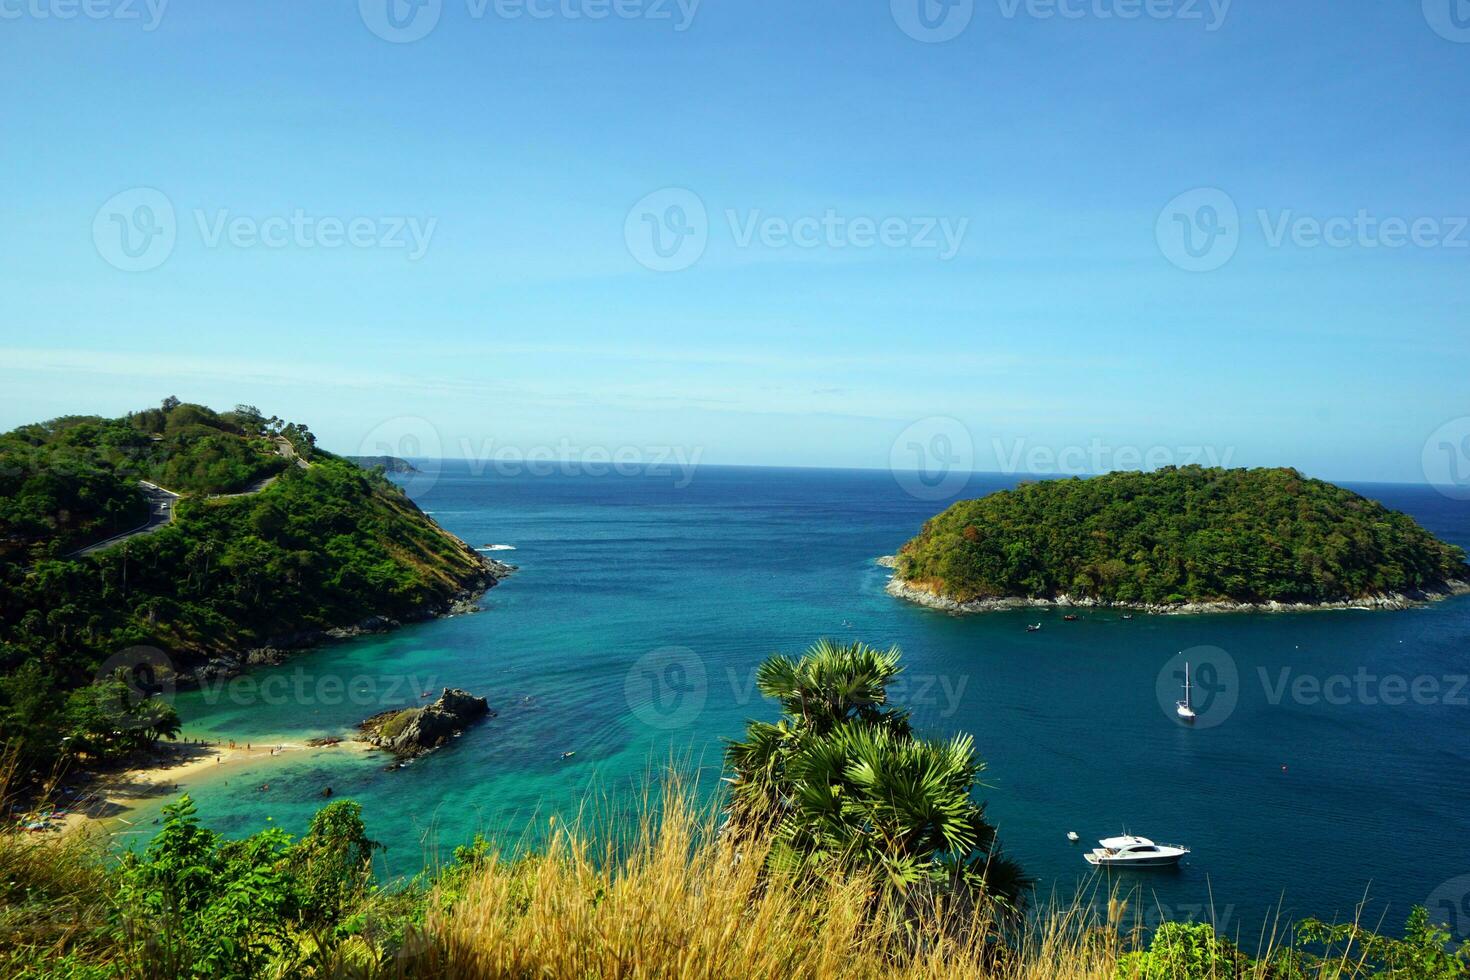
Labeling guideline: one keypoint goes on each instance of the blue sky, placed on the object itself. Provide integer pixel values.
(534, 157)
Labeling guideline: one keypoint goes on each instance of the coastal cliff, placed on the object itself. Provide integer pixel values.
(241, 541)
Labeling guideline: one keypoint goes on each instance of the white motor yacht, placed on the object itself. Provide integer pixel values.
(1134, 852)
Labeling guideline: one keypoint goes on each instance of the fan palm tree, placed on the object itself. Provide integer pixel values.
(845, 785)
(832, 684)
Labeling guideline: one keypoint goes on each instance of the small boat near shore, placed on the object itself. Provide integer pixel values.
(1033, 627)
(1134, 852)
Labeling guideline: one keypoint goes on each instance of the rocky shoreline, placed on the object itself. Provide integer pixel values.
(909, 592)
(277, 649)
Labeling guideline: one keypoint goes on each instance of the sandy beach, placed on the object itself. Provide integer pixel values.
(103, 802)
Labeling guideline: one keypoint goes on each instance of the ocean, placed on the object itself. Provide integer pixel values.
(1328, 764)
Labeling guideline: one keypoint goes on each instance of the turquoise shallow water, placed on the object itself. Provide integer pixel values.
(631, 632)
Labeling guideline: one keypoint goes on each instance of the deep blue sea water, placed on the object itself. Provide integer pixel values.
(631, 632)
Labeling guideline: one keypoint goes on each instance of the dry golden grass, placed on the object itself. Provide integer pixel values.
(53, 889)
(676, 899)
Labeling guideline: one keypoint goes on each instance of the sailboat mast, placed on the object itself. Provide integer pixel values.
(1188, 703)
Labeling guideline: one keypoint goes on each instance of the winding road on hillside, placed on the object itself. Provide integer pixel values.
(161, 503)
(160, 515)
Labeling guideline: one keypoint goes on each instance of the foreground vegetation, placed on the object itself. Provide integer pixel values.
(324, 545)
(855, 869)
(1176, 535)
(668, 897)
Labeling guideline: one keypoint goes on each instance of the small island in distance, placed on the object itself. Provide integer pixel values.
(390, 464)
(1179, 539)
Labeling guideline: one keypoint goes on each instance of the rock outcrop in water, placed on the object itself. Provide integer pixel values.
(409, 732)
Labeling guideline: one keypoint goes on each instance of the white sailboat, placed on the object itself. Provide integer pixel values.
(1185, 708)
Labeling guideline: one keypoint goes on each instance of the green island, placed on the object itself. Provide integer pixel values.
(850, 847)
(391, 464)
(1176, 539)
(185, 542)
